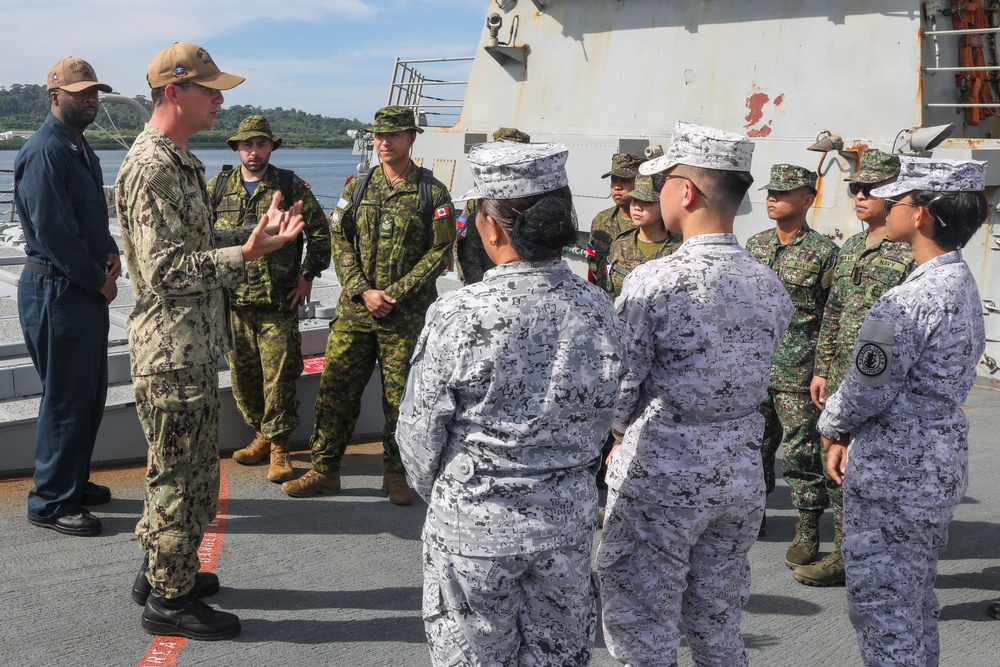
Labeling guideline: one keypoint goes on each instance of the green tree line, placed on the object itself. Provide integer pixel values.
(24, 106)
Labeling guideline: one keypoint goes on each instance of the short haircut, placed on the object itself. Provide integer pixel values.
(957, 215)
(721, 186)
(157, 95)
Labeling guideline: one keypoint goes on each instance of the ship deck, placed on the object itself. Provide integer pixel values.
(337, 580)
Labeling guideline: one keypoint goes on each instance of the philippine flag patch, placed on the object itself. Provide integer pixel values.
(590, 251)
(460, 226)
(607, 266)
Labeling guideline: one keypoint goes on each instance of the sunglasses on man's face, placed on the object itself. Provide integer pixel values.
(864, 188)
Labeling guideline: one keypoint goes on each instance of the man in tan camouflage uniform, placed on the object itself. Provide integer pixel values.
(649, 239)
(179, 266)
(615, 221)
(804, 261)
(869, 265)
(266, 359)
(471, 260)
(388, 253)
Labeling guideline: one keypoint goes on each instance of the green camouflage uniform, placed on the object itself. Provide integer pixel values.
(625, 253)
(384, 245)
(861, 276)
(266, 359)
(471, 260)
(805, 267)
(178, 268)
(625, 256)
(609, 224)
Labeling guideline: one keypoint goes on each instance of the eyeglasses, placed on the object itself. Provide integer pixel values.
(865, 189)
(696, 188)
(208, 92)
(887, 204)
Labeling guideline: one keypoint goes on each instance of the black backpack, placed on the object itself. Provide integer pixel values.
(425, 203)
(284, 185)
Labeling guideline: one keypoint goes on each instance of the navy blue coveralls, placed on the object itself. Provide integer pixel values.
(60, 202)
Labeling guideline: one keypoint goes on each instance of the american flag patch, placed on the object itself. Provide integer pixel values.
(590, 251)
(442, 212)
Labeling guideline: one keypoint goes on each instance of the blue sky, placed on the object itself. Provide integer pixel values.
(331, 57)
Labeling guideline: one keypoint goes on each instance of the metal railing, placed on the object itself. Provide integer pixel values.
(409, 89)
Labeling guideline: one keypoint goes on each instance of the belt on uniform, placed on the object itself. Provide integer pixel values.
(40, 269)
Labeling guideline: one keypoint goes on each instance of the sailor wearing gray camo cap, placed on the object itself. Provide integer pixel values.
(899, 410)
(512, 388)
(685, 490)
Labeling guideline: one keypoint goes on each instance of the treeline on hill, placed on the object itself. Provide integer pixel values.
(24, 106)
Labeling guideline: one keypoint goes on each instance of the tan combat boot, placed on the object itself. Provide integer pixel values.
(399, 491)
(280, 469)
(255, 452)
(827, 572)
(805, 546)
(311, 484)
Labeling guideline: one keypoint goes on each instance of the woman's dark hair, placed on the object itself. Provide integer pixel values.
(958, 215)
(538, 226)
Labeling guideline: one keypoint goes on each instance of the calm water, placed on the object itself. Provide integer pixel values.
(323, 168)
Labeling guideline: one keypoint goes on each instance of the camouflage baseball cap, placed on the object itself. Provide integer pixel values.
(786, 177)
(511, 134)
(936, 174)
(394, 119)
(706, 147)
(184, 62)
(647, 188)
(509, 170)
(875, 166)
(624, 165)
(73, 75)
(254, 126)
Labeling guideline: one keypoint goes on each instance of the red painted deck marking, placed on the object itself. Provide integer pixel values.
(164, 651)
(313, 365)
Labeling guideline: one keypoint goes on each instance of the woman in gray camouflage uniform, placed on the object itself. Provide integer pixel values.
(512, 387)
(899, 408)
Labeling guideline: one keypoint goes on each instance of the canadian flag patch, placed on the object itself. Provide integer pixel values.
(442, 212)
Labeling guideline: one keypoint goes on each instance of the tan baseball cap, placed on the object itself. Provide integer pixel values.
(183, 62)
(73, 75)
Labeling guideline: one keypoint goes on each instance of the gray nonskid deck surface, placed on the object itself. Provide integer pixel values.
(336, 580)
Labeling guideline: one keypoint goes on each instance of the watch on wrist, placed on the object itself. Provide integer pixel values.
(308, 276)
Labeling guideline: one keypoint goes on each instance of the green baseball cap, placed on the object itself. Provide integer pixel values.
(875, 166)
(625, 165)
(511, 134)
(254, 126)
(786, 177)
(647, 188)
(393, 119)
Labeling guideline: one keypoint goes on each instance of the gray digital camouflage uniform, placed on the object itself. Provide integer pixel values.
(513, 384)
(805, 267)
(914, 364)
(385, 245)
(861, 276)
(178, 267)
(266, 359)
(686, 489)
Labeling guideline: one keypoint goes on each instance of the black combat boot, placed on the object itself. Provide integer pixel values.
(205, 584)
(187, 616)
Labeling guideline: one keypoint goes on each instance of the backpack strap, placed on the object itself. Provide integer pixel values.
(425, 198)
(220, 186)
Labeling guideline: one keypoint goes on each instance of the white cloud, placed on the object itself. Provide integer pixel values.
(349, 76)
